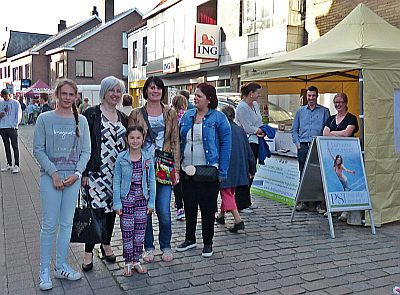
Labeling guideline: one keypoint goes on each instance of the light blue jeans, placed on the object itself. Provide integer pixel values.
(58, 207)
(163, 211)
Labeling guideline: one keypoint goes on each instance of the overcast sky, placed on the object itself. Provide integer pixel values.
(43, 16)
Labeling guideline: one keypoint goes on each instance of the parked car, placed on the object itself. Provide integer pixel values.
(279, 118)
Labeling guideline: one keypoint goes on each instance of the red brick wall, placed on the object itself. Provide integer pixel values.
(339, 9)
(105, 50)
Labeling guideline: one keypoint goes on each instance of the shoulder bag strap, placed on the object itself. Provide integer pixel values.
(146, 119)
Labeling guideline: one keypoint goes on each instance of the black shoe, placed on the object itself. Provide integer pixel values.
(301, 206)
(207, 251)
(237, 226)
(220, 220)
(87, 267)
(186, 245)
(110, 258)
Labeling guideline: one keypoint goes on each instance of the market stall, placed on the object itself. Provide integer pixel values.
(361, 57)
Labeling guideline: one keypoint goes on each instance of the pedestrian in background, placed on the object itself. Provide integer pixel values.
(248, 116)
(179, 103)
(160, 125)
(10, 116)
(127, 104)
(186, 94)
(44, 103)
(84, 106)
(61, 144)
(205, 141)
(242, 167)
(107, 133)
(134, 191)
(308, 123)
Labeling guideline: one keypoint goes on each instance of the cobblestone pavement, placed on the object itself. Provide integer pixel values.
(272, 256)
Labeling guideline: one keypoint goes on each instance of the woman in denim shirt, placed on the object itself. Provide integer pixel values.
(208, 144)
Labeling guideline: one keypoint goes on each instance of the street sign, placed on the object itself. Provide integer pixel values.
(334, 172)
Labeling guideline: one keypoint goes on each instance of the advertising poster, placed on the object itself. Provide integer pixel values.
(343, 173)
(278, 179)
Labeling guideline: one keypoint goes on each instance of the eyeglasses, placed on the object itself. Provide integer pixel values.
(339, 102)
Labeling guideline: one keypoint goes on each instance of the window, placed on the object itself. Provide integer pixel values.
(84, 68)
(207, 13)
(252, 48)
(20, 73)
(9, 71)
(125, 70)
(144, 53)
(134, 55)
(1, 73)
(27, 71)
(14, 74)
(124, 40)
(258, 15)
(60, 69)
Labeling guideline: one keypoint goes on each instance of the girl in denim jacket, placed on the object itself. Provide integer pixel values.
(134, 188)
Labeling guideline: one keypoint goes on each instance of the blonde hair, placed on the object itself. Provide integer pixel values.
(179, 102)
(72, 83)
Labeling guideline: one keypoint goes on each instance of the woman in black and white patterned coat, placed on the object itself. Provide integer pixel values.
(107, 127)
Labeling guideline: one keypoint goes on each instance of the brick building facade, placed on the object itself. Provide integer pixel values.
(323, 15)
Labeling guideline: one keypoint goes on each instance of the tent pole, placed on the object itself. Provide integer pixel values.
(361, 82)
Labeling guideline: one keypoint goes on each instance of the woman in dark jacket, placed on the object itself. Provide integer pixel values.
(241, 167)
(107, 127)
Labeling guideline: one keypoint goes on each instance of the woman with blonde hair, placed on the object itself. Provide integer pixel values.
(61, 144)
(107, 132)
(180, 104)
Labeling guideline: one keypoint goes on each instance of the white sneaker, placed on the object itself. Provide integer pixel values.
(246, 210)
(15, 169)
(66, 272)
(45, 280)
(7, 168)
(253, 206)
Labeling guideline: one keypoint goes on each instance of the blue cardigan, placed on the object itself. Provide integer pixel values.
(242, 159)
(123, 176)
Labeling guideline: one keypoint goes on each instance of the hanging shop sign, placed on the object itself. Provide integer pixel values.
(206, 43)
(170, 65)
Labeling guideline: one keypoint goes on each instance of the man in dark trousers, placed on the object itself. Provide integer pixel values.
(10, 115)
(309, 122)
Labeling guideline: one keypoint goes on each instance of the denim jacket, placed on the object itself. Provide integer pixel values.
(216, 135)
(123, 176)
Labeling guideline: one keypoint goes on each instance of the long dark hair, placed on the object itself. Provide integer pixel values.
(57, 90)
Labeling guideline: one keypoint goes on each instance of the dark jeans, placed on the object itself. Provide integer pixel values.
(10, 134)
(302, 156)
(242, 193)
(203, 195)
(178, 193)
(110, 221)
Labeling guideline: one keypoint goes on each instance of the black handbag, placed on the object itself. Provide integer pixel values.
(89, 224)
(205, 173)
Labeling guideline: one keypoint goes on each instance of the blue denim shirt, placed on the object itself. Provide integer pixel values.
(216, 136)
(123, 175)
(308, 123)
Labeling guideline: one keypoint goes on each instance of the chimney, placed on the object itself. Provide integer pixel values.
(108, 10)
(62, 25)
(94, 11)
